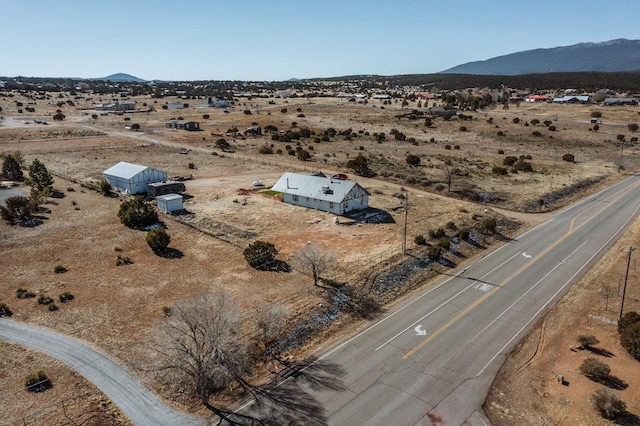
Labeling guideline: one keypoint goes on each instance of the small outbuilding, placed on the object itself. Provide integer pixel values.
(169, 203)
(132, 178)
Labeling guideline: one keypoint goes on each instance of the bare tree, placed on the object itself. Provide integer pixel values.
(313, 260)
(447, 173)
(273, 326)
(200, 342)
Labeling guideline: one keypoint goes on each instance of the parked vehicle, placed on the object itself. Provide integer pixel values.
(340, 176)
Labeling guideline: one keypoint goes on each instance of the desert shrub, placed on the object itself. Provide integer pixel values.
(605, 402)
(222, 144)
(596, 114)
(629, 329)
(303, 155)
(23, 293)
(445, 243)
(535, 122)
(547, 123)
(4, 310)
(552, 128)
(463, 234)
(447, 146)
(510, 160)
(247, 112)
(522, 166)
(191, 166)
(158, 239)
(463, 128)
(136, 213)
(420, 240)
(52, 307)
(435, 252)
(265, 149)
(44, 300)
(489, 225)
(437, 233)
(105, 187)
(586, 340)
(536, 133)
(515, 120)
(59, 269)
(596, 128)
(283, 110)
(65, 297)
(260, 255)
(595, 369)
(37, 382)
(123, 260)
(456, 147)
(413, 160)
(499, 171)
(570, 158)
(501, 152)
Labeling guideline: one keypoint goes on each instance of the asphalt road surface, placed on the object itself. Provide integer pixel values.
(140, 405)
(432, 360)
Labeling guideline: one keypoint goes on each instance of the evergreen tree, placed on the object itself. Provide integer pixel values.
(11, 168)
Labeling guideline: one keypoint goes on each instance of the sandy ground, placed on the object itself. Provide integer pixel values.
(118, 307)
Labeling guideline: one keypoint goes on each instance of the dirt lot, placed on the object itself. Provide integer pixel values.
(117, 307)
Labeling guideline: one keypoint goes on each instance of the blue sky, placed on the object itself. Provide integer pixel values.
(281, 39)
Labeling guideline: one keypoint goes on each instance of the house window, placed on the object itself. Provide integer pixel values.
(295, 198)
(330, 205)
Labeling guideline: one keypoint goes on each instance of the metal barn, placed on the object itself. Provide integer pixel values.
(132, 178)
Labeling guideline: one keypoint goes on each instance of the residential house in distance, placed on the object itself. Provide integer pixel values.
(321, 192)
(620, 101)
(536, 98)
(132, 178)
(571, 99)
(183, 124)
(215, 103)
(116, 107)
(441, 111)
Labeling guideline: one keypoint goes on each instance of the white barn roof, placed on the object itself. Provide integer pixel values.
(335, 190)
(125, 170)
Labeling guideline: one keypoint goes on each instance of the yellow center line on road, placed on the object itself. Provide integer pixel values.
(612, 198)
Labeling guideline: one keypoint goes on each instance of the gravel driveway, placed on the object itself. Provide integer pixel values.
(137, 403)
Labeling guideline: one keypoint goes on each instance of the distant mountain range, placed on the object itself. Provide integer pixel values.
(609, 56)
(119, 77)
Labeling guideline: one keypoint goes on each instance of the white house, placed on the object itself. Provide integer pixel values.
(169, 203)
(133, 178)
(323, 193)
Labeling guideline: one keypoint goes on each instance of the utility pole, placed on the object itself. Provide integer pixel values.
(404, 227)
(624, 284)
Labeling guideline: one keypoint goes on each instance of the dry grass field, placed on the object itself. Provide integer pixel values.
(118, 308)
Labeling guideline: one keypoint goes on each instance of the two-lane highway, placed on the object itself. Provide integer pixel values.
(436, 356)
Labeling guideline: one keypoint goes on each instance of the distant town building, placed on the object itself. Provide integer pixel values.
(183, 124)
(116, 106)
(620, 101)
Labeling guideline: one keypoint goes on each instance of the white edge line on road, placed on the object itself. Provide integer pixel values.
(569, 281)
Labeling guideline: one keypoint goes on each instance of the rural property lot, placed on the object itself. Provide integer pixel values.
(118, 308)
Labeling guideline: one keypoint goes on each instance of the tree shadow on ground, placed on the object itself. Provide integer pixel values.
(600, 351)
(57, 194)
(614, 382)
(628, 419)
(170, 253)
(289, 399)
